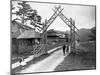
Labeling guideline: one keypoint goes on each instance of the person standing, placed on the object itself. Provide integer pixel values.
(64, 47)
(67, 48)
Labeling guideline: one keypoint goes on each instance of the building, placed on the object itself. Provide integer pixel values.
(57, 36)
(16, 29)
(28, 40)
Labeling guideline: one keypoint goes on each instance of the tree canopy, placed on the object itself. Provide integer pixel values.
(26, 12)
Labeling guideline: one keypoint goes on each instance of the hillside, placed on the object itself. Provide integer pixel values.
(83, 33)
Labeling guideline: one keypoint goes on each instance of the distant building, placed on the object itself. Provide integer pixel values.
(57, 36)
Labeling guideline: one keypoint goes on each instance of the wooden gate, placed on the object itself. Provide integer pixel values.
(69, 22)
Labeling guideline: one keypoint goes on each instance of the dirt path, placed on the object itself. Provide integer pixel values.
(46, 65)
(29, 58)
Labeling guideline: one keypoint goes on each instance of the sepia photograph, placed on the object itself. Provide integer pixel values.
(52, 37)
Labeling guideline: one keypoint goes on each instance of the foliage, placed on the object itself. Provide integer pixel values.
(35, 19)
(92, 36)
(23, 8)
(12, 7)
(25, 12)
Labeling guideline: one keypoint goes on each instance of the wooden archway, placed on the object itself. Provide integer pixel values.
(69, 22)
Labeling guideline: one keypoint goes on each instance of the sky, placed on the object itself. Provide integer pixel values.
(84, 16)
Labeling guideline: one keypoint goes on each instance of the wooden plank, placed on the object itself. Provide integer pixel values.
(66, 21)
(53, 17)
(64, 17)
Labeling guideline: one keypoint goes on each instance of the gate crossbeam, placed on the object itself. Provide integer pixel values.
(65, 18)
(53, 17)
(67, 21)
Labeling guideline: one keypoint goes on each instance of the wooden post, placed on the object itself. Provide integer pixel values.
(46, 37)
(23, 19)
(71, 33)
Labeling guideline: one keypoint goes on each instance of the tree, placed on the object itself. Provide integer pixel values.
(26, 13)
(24, 8)
(92, 36)
(12, 7)
(35, 20)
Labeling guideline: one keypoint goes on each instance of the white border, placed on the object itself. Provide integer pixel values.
(5, 37)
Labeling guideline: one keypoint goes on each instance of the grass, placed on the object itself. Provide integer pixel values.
(85, 60)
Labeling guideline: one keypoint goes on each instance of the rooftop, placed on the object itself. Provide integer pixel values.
(29, 34)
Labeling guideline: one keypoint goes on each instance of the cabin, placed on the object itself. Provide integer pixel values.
(16, 29)
(28, 40)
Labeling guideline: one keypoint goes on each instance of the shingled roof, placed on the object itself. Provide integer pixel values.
(20, 25)
(15, 26)
(29, 34)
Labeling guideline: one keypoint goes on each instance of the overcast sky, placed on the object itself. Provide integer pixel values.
(84, 16)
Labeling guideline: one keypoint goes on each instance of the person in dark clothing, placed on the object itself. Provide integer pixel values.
(67, 50)
(64, 47)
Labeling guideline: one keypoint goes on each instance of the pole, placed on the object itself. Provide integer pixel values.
(45, 37)
(71, 34)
